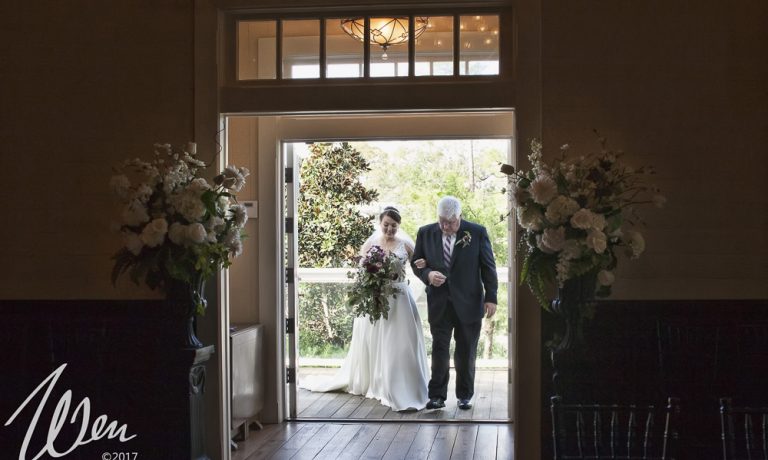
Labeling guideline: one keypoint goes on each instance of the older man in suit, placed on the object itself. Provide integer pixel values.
(454, 258)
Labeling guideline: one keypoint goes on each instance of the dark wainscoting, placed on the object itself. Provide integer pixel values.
(645, 351)
(126, 357)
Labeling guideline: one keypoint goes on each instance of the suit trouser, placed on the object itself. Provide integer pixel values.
(467, 336)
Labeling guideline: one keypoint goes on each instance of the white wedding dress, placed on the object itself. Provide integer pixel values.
(386, 360)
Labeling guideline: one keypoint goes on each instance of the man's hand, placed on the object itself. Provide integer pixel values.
(420, 263)
(436, 278)
(490, 309)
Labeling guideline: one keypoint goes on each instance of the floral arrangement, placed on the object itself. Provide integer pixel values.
(577, 216)
(175, 224)
(373, 283)
(465, 240)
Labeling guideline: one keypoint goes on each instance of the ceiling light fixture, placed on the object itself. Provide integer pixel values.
(385, 31)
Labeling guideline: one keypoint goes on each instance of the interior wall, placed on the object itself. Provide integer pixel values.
(681, 86)
(82, 88)
(242, 146)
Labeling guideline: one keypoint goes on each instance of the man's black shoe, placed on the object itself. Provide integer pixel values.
(464, 404)
(435, 403)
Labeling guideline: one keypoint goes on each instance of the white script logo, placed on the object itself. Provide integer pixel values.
(101, 426)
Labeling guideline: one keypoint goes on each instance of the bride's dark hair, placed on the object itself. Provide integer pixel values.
(391, 212)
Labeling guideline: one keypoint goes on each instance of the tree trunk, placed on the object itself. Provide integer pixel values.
(327, 319)
(488, 328)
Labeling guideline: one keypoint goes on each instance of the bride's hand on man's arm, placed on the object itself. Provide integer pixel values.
(420, 263)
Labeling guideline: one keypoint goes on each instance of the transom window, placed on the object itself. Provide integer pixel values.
(368, 46)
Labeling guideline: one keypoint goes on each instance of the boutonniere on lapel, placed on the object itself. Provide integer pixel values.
(464, 240)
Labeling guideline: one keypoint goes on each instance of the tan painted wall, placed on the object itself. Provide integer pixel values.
(682, 86)
(243, 274)
(83, 86)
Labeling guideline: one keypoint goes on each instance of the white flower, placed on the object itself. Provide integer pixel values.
(132, 242)
(530, 218)
(178, 233)
(598, 221)
(571, 249)
(215, 224)
(636, 244)
(154, 232)
(236, 248)
(241, 215)
(232, 241)
(605, 278)
(135, 213)
(659, 201)
(582, 219)
(198, 186)
(189, 204)
(143, 193)
(196, 232)
(543, 189)
(520, 196)
(597, 241)
(233, 178)
(560, 209)
(120, 185)
(553, 239)
(222, 204)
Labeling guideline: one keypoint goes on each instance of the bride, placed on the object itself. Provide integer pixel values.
(387, 360)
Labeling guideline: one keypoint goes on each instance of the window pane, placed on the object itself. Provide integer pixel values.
(389, 45)
(301, 49)
(256, 50)
(479, 39)
(382, 69)
(344, 53)
(435, 44)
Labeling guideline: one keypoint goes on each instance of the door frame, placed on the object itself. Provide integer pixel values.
(293, 127)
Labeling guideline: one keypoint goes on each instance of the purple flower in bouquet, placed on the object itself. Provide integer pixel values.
(377, 269)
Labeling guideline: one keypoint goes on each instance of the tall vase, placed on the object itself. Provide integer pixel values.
(188, 300)
(573, 299)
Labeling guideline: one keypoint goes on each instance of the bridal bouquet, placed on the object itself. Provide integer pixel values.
(577, 216)
(175, 224)
(373, 283)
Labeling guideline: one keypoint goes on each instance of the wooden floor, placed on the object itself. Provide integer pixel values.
(489, 402)
(370, 440)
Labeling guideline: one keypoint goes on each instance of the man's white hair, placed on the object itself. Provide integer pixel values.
(449, 207)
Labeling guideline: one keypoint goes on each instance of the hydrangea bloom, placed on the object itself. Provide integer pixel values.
(175, 224)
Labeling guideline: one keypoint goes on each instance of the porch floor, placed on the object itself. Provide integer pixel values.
(489, 402)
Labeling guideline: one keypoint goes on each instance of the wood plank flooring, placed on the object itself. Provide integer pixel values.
(489, 403)
(371, 440)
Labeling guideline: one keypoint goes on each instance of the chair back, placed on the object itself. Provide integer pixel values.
(606, 431)
(744, 431)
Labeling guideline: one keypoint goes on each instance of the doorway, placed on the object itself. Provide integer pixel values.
(342, 188)
(259, 293)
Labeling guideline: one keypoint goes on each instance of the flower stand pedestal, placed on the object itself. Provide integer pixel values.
(193, 367)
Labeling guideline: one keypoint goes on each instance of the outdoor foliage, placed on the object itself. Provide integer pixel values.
(342, 183)
(331, 231)
(331, 226)
(416, 175)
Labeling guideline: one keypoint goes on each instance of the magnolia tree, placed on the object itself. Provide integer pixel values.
(331, 231)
